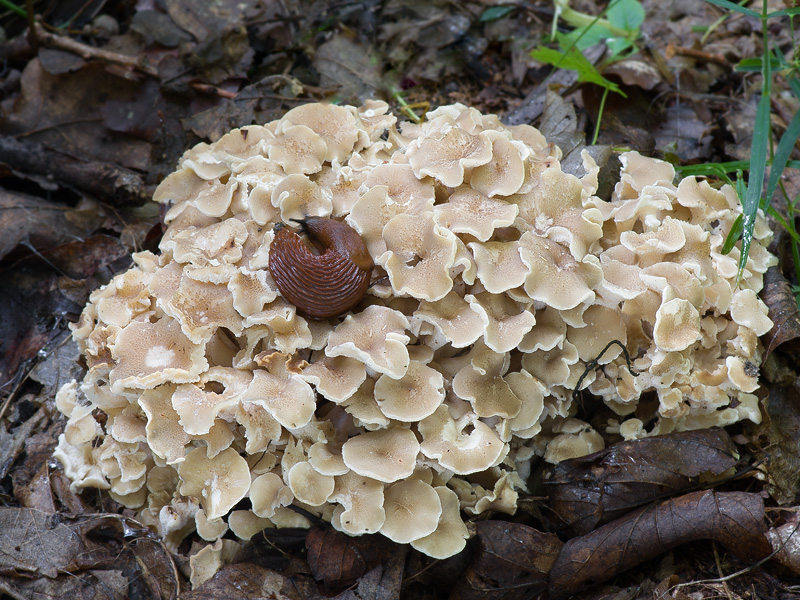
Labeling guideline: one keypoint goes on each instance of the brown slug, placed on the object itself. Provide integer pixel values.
(325, 283)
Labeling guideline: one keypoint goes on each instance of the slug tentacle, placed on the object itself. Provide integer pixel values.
(324, 284)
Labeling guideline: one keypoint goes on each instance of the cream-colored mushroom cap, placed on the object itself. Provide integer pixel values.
(244, 524)
(219, 482)
(298, 149)
(555, 277)
(412, 397)
(505, 173)
(207, 529)
(375, 337)
(267, 493)
(165, 436)
(443, 439)
(602, 326)
(444, 158)
(748, 310)
(677, 325)
(482, 384)
(325, 460)
(418, 256)
(505, 321)
(334, 124)
(573, 445)
(361, 504)
(298, 197)
(199, 405)
(336, 378)
(149, 354)
(469, 211)
(454, 318)
(412, 510)
(450, 536)
(499, 265)
(742, 373)
(308, 485)
(386, 455)
(286, 397)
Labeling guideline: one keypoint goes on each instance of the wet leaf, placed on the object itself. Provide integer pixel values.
(513, 561)
(734, 519)
(592, 490)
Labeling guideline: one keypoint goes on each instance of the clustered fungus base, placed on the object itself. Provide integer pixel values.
(497, 278)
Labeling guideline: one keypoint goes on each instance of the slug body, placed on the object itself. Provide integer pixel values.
(325, 283)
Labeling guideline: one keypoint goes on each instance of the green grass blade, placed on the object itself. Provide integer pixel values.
(733, 236)
(786, 12)
(13, 8)
(758, 152)
(735, 7)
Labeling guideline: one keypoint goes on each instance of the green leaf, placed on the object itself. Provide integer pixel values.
(584, 37)
(786, 12)
(617, 46)
(577, 62)
(495, 12)
(736, 8)
(733, 236)
(626, 14)
(13, 8)
(717, 169)
(785, 147)
(753, 65)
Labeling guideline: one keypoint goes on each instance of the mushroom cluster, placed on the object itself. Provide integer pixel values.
(213, 403)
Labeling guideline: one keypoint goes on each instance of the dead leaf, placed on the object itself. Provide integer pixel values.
(31, 476)
(12, 443)
(635, 71)
(245, 581)
(734, 519)
(785, 541)
(781, 455)
(778, 296)
(40, 223)
(333, 558)
(589, 491)
(682, 132)
(384, 581)
(261, 102)
(513, 561)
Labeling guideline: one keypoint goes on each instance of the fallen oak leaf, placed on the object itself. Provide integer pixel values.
(734, 519)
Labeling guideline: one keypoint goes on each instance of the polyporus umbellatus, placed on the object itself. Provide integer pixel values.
(497, 277)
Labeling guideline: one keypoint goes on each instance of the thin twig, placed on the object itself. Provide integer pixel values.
(67, 44)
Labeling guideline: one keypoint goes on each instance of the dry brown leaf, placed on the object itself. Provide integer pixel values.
(734, 519)
(592, 490)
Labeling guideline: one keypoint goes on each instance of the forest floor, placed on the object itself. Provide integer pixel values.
(98, 100)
